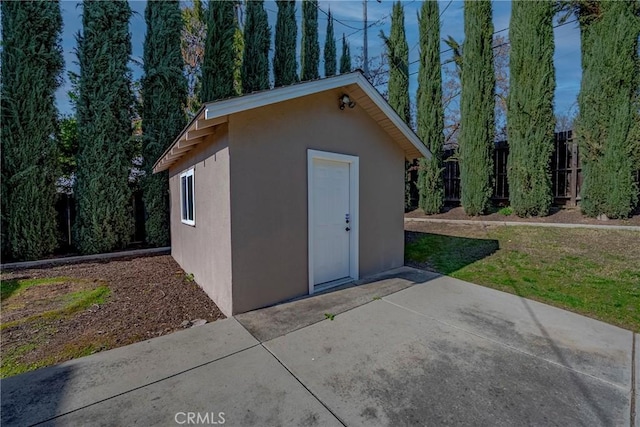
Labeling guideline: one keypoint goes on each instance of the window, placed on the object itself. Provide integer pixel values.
(187, 203)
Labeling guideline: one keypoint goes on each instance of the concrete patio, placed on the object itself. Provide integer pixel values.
(405, 348)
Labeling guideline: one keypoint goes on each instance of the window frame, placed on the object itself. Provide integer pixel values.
(184, 200)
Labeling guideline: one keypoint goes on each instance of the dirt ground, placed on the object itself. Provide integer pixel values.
(40, 299)
(149, 297)
(557, 215)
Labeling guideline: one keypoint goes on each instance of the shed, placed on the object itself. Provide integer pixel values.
(289, 191)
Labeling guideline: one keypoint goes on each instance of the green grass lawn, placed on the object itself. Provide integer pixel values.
(592, 272)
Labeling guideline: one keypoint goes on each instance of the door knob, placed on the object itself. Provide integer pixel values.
(347, 229)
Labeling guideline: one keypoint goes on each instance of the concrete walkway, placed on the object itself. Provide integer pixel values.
(408, 348)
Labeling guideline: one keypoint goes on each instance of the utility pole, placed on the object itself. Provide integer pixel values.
(365, 49)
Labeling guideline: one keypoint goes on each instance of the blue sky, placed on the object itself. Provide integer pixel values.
(348, 15)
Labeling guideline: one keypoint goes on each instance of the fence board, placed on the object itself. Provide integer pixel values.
(564, 165)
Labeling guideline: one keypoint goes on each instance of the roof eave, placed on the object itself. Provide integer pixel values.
(373, 93)
(175, 141)
(211, 111)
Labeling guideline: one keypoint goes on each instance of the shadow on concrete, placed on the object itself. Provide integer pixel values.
(34, 397)
(601, 413)
(445, 254)
(271, 322)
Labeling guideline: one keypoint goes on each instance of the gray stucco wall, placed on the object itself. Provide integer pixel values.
(204, 250)
(268, 185)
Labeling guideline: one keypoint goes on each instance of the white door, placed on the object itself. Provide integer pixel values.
(330, 204)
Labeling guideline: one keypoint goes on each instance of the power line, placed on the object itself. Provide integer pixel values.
(450, 49)
(378, 22)
(497, 46)
(426, 32)
(336, 19)
(505, 29)
(448, 61)
(373, 24)
(356, 30)
(492, 47)
(340, 21)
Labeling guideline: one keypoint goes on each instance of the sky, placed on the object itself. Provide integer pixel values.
(348, 21)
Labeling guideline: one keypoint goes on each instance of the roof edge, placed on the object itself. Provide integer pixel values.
(382, 103)
(225, 107)
(177, 138)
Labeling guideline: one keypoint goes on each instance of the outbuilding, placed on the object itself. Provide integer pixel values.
(289, 191)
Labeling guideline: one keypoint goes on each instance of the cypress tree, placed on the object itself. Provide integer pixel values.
(477, 105)
(285, 66)
(606, 101)
(398, 54)
(67, 141)
(218, 65)
(398, 86)
(238, 50)
(164, 94)
(345, 58)
(194, 33)
(430, 112)
(310, 56)
(257, 39)
(330, 55)
(31, 65)
(104, 220)
(530, 115)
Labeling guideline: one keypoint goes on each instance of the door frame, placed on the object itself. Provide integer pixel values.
(354, 218)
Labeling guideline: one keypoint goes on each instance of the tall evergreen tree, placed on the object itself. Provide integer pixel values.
(477, 106)
(398, 86)
(238, 48)
(257, 40)
(345, 58)
(164, 94)
(104, 219)
(330, 55)
(218, 65)
(530, 115)
(67, 151)
(194, 34)
(285, 66)
(310, 55)
(31, 65)
(398, 55)
(430, 112)
(610, 73)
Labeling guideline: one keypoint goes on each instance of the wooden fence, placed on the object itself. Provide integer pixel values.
(66, 217)
(566, 173)
(566, 178)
